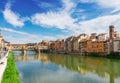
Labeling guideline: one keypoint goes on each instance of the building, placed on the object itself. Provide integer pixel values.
(52, 46)
(1, 38)
(116, 45)
(59, 45)
(93, 36)
(103, 37)
(82, 46)
(111, 31)
(116, 34)
(45, 43)
(62, 47)
(6, 44)
(111, 37)
(91, 46)
(77, 40)
(69, 44)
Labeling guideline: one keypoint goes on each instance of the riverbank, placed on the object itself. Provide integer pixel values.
(3, 63)
(11, 74)
(112, 55)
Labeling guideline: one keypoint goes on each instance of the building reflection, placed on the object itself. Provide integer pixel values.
(104, 68)
(27, 57)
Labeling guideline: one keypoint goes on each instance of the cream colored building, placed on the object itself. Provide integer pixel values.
(116, 45)
(103, 37)
(68, 44)
(77, 40)
(116, 34)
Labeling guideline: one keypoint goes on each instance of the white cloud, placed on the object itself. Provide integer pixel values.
(52, 19)
(61, 19)
(43, 4)
(100, 24)
(114, 4)
(14, 36)
(12, 17)
(14, 31)
(68, 5)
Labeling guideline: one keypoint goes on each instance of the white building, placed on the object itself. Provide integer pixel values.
(116, 34)
(68, 44)
(103, 37)
(116, 45)
(77, 40)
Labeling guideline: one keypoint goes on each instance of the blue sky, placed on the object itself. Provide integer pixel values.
(23, 21)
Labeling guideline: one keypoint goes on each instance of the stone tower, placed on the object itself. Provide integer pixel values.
(111, 31)
(111, 34)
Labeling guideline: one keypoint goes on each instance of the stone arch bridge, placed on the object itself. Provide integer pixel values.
(25, 47)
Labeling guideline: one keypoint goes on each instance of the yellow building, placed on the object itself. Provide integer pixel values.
(59, 44)
(94, 47)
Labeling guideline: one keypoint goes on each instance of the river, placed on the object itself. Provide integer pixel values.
(59, 68)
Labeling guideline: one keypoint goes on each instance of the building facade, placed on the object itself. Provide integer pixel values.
(69, 44)
(91, 46)
(76, 42)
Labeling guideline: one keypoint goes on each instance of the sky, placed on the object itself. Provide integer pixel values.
(31, 21)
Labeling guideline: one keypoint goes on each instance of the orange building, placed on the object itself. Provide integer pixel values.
(94, 47)
(52, 46)
(57, 46)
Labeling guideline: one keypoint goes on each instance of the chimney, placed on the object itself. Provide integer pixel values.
(111, 31)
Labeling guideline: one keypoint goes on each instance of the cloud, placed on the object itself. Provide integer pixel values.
(43, 5)
(14, 31)
(12, 17)
(68, 5)
(61, 19)
(15, 36)
(100, 24)
(114, 4)
(52, 19)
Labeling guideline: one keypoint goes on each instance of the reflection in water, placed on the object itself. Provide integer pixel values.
(50, 68)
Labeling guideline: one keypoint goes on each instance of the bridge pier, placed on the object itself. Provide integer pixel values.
(24, 52)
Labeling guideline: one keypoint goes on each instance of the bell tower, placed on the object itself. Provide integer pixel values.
(111, 31)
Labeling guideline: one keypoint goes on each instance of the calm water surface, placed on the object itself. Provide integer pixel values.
(51, 68)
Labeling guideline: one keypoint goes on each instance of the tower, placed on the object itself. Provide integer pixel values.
(111, 34)
(111, 31)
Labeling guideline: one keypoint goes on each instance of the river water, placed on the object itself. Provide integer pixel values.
(58, 68)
